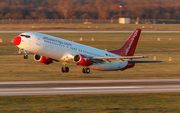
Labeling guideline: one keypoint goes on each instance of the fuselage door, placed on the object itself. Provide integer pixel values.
(38, 42)
(120, 65)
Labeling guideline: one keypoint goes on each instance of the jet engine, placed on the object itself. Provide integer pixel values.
(82, 60)
(42, 59)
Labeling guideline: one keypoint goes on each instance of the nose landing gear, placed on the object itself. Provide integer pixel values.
(25, 53)
(25, 56)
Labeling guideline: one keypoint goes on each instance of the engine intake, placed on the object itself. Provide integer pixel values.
(42, 59)
(82, 60)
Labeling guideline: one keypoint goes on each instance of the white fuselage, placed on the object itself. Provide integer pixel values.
(63, 50)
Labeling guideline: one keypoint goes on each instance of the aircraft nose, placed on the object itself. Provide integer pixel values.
(17, 40)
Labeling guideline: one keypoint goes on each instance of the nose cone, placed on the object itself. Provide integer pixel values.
(17, 40)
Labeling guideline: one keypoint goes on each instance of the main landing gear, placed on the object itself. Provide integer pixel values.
(65, 69)
(86, 70)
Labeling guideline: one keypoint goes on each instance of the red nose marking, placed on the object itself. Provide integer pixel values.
(17, 40)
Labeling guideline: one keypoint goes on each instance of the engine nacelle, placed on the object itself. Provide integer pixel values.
(82, 60)
(42, 59)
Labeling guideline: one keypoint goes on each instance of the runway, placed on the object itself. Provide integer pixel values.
(86, 31)
(89, 87)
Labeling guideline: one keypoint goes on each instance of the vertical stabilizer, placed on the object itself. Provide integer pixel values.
(129, 46)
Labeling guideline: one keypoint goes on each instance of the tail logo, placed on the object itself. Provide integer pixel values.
(130, 44)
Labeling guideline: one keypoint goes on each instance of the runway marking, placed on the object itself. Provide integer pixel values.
(90, 91)
(99, 87)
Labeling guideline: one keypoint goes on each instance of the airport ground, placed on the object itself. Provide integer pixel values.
(104, 96)
(165, 49)
(106, 103)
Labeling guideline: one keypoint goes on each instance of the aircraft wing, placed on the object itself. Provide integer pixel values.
(119, 58)
(144, 61)
(122, 58)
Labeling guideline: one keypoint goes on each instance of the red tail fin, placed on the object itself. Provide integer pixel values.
(129, 46)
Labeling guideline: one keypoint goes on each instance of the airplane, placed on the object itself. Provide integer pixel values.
(48, 49)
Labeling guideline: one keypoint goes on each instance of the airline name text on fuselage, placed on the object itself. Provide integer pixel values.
(55, 40)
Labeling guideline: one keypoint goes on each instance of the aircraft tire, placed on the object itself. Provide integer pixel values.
(87, 70)
(67, 69)
(62, 69)
(83, 70)
(25, 56)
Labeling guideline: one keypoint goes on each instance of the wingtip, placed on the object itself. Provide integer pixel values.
(159, 61)
(146, 56)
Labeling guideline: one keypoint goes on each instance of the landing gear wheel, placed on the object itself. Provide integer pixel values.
(83, 70)
(62, 69)
(86, 70)
(65, 69)
(25, 56)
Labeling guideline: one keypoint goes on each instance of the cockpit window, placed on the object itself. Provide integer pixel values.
(22, 35)
(27, 36)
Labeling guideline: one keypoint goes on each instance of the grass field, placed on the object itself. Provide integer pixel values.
(115, 103)
(89, 26)
(14, 67)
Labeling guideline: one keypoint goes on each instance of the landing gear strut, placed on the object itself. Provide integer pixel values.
(25, 56)
(65, 69)
(25, 53)
(86, 70)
